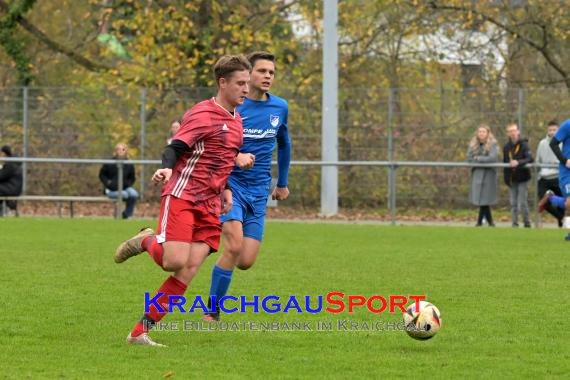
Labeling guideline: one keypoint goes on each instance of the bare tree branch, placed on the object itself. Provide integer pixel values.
(539, 47)
(41, 36)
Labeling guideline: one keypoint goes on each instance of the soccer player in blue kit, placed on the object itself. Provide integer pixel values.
(563, 202)
(264, 118)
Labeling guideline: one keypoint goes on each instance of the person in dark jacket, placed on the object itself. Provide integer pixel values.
(517, 154)
(109, 176)
(11, 178)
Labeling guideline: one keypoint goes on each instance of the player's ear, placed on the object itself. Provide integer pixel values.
(222, 83)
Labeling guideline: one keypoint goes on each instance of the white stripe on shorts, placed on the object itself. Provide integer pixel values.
(162, 237)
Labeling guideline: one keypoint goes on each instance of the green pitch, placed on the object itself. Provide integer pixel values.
(503, 294)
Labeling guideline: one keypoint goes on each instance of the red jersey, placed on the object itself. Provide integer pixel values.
(214, 136)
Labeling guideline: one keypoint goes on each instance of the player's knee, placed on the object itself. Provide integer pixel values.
(245, 264)
(173, 263)
(232, 247)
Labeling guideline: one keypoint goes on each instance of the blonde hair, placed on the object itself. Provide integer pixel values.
(228, 64)
(121, 145)
(487, 144)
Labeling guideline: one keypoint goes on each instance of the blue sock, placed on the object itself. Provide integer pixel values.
(221, 280)
(557, 201)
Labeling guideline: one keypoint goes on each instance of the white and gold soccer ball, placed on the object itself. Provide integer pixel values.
(423, 323)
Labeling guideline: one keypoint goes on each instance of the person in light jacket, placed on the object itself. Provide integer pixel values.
(548, 177)
(483, 190)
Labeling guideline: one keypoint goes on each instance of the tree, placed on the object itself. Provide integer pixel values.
(543, 28)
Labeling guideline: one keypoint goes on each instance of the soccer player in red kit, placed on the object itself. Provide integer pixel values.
(195, 170)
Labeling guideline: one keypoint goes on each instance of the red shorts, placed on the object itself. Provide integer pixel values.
(182, 220)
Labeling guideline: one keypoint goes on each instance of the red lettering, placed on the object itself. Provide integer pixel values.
(417, 299)
(340, 302)
(369, 304)
(401, 304)
(351, 302)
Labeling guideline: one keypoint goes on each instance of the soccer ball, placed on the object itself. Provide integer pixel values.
(424, 323)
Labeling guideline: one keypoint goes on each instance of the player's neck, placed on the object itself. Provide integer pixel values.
(256, 94)
(225, 105)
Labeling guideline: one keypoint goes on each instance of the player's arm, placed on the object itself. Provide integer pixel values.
(561, 135)
(281, 192)
(245, 160)
(195, 127)
(555, 146)
(170, 155)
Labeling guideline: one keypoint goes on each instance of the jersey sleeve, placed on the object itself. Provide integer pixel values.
(194, 127)
(283, 151)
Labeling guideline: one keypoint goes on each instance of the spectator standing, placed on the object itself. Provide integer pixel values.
(548, 177)
(517, 154)
(11, 178)
(483, 191)
(174, 127)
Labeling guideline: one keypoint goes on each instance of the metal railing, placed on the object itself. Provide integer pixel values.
(391, 165)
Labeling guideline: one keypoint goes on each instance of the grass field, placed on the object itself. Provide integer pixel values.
(503, 294)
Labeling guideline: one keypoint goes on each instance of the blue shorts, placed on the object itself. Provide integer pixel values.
(250, 210)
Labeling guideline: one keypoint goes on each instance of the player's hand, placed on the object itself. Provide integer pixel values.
(245, 160)
(162, 176)
(568, 164)
(514, 163)
(227, 201)
(280, 193)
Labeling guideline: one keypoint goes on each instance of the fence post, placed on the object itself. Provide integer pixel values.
(25, 143)
(391, 171)
(535, 202)
(329, 127)
(118, 208)
(143, 141)
(520, 110)
(392, 185)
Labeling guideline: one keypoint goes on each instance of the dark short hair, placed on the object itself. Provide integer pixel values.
(7, 150)
(228, 64)
(257, 55)
(552, 123)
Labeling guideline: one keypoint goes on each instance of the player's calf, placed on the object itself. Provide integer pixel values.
(545, 200)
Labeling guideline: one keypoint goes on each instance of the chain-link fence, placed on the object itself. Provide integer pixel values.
(374, 124)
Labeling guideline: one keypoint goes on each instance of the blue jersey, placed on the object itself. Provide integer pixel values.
(563, 135)
(264, 123)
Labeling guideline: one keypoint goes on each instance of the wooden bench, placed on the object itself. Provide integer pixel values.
(56, 198)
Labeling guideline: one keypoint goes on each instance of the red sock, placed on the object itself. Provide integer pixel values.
(171, 287)
(154, 249)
